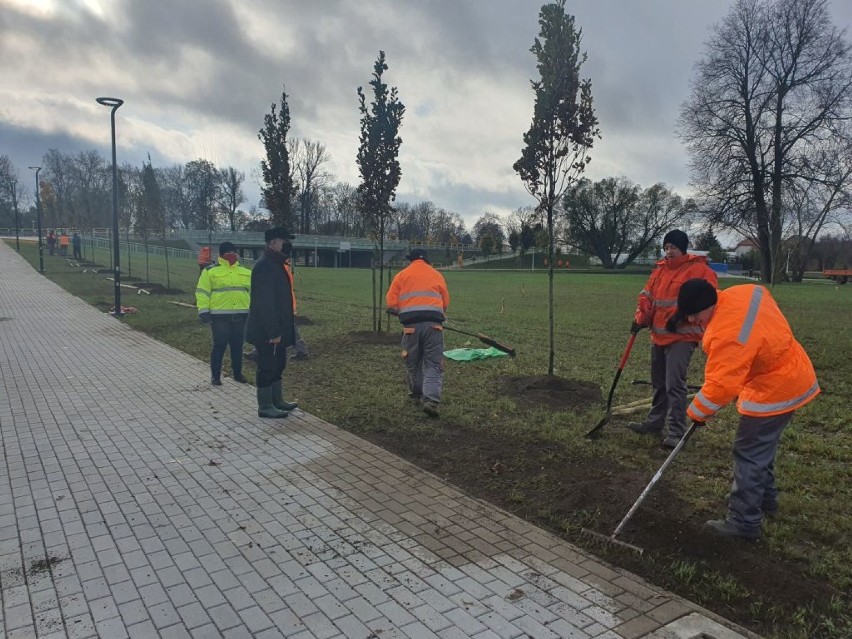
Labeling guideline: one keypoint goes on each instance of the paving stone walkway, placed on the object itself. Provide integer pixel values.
(136, 500)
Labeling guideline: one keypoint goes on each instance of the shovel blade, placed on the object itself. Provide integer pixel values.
(595, 432)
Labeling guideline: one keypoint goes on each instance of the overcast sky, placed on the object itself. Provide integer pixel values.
(197, 77)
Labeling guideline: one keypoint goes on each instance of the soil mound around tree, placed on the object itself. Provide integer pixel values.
(550, 391)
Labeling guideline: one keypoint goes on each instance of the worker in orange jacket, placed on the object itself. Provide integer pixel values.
(419, 296)
(753, 356)
(671, 351)
(205, 257)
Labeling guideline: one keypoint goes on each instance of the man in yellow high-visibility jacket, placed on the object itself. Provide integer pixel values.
(222, 297)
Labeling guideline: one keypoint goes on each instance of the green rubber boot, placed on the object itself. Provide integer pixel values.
(278, 398)
(265, 405)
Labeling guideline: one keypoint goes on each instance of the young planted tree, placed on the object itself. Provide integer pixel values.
(153, 211)
(277, 186)
(563, 127)
(378, 166)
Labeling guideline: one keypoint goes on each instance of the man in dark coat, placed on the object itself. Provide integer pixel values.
(271, 327)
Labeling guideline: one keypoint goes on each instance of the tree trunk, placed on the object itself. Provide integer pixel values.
(373, 269)
(552, 354)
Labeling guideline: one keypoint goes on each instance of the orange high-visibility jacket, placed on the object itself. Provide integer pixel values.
(205, 255)
(658, 300)
(63, 240)
(288, 268)
(419, 293)
(751, 352)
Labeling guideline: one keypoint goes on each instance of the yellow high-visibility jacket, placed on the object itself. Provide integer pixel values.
(751, 353)
(223, 289)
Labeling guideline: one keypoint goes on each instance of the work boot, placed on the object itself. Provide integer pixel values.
(240, 379)
(278, 398)
(417, 400)
(644, 428)
(215, 381)
(430, 408)
(265, 407)
(251, 355)
(727, 529)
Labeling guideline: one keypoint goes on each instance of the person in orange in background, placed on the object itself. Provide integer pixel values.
(205, 257)
(671, 350)
(64, 241)
(51, 242)
(752, 356)
(418, 295)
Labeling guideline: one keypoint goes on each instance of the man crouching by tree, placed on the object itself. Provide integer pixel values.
(419, 296)
(271, 326)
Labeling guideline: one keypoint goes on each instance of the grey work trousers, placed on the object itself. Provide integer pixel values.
(423, 351)
(669, 365)
(754, 489)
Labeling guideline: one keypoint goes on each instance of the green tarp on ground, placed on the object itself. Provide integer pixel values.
(471, 354)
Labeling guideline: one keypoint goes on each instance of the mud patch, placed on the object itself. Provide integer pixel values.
(550, 391)
(38, 566)
(302, 320)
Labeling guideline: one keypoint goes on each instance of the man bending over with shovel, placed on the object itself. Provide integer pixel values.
(419, 296)
(751, 353)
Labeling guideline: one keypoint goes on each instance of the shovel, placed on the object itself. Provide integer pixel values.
(593, 433)
(611, 539)
(484, 339)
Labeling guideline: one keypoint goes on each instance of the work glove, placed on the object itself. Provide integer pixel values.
(635, 327)
(204, 318)
(674, 320)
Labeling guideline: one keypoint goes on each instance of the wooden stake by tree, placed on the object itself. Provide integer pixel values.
(378, 166)
(563, 127)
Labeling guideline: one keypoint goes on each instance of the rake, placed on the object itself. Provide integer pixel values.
(611, 539)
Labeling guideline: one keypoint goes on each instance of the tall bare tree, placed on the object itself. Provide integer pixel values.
(308, 158)
(775, 80)
(232, 193)
(563, 127)
(616, 220)
(378, 165)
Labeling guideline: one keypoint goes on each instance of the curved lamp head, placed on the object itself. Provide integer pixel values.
(110, 102)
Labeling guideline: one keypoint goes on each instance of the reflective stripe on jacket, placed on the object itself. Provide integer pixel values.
(419, 293)
(658, 300)
(223, 289)
(751, 353)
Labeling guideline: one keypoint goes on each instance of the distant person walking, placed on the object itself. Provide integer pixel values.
(419, 296)
(51, 242)
(671, 349)
(271, 325)
(63, 244)
(222, 297)
(753, 358)
(77, 245)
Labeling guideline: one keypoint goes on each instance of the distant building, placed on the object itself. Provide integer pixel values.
(745, 247)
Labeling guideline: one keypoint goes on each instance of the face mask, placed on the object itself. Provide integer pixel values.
(231, 258)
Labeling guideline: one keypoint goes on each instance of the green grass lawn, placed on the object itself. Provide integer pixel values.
(794, 583)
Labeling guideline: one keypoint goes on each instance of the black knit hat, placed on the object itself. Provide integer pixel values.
(694, 296)
(678, 238)
(277, 233)
(227, 247)
(417, 254)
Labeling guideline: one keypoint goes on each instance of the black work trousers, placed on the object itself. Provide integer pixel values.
(227, 330)
(271, 362)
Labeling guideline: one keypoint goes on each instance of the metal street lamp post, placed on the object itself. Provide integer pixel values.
(114, 103)
(38, 216)
(17, 225)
